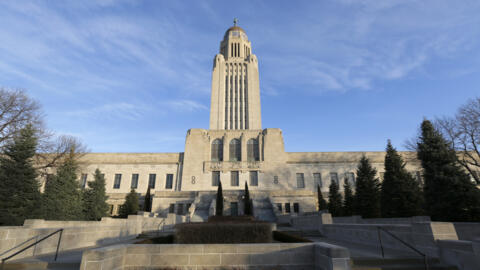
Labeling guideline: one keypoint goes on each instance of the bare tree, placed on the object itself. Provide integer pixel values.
(463, 132)
(16, 111)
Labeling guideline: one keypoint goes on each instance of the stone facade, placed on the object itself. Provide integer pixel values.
(234, 150)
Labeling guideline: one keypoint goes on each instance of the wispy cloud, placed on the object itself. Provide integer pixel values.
(117, 111)
(185, 105)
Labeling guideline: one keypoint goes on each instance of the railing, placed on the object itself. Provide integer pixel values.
(34, 244)
(425, 259)
(162, 224)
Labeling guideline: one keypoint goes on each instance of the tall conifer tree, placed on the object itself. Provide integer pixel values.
(348, 200)
(322, 204)
(95, 198)
(367, 191)
(248, 211)
(130, 206)
(401, 195)
(147, 205)
(334, 200)
(450, 195)
(19, 189)
(219, 200)
(62, 199)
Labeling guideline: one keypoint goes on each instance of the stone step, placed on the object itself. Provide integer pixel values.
(42, 265)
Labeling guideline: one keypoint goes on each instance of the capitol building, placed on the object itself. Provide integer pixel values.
(234, 150)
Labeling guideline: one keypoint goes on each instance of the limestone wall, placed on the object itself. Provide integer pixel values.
(76, 234)
(360, 220)
(224, 256)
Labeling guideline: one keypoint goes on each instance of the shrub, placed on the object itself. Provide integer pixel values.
(288, 238)
(223, 232)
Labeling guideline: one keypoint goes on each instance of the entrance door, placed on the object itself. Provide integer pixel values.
(234, 208)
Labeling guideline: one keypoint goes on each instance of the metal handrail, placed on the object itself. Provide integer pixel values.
(425, 259)
(33, 244)
(162, 223)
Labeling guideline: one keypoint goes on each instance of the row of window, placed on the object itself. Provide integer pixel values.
(235, 150)
(296, 207)
(234, 182)
(181, 208)
(134, 180)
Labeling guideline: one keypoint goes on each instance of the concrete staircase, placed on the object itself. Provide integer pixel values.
(363, 263)
(263, 209)
(202, 205)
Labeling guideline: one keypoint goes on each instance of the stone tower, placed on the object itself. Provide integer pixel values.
(235, 103)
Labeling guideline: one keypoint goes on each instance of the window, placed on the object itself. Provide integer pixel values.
(252, 150)
(116, 182)
(334, 177)
(296, 208)
(350, 178)
(134, 183)
(169, 181)
(84, 180)
(215, 178)
(180, 209)
(253, 178)
(279, 207)
(217, 150)
(234, 178)
(287, 207)
(317, 179)
(275, 180)
(171, 209)
(235, 150)
(151, 180)
(300, 180)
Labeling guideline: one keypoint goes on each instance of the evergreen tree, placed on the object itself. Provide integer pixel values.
(401, 195)
(248, 211)
(95, 198)
(130, 206)
(348, 199)
(62, 199)
(449, 193)
(367, 191)
(334, 200)
(147, 206)
(219, 201)
(322, 204)
(19, 189)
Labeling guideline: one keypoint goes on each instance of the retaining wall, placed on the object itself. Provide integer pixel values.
(76, 234)
(219, 256)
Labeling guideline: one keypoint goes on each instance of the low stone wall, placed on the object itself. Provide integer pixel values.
(225, 256)
(311, 222)
(76, 234)
(360, 220)
(422, 236)
(462, 254)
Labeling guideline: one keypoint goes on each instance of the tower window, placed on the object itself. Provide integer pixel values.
(217, 150)
(235, 150)
(252, 150)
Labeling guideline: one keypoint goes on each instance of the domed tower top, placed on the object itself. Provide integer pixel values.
(235, 43)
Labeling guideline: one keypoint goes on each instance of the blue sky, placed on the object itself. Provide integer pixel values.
(343, 75)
